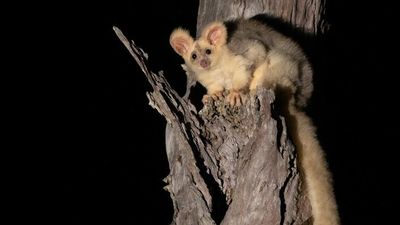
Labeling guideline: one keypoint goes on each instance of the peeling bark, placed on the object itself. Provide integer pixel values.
(250, 159)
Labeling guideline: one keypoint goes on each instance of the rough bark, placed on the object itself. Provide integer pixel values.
(189, 192)
(239, 159)
(306, 15)
(246, 150)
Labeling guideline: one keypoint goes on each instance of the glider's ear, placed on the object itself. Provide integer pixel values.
(181, 41)
(215, 34)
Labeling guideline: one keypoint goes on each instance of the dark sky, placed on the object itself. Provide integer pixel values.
(110, 148)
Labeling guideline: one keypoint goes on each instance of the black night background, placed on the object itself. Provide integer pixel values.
(107, 146)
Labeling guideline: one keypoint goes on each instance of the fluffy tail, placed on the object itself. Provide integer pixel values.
(305, 85)
(315, 169)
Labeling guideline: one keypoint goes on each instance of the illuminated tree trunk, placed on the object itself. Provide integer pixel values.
(232, 166)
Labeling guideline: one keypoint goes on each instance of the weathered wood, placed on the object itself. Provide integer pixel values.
(242, 148)
(257, 163)
(190, 195)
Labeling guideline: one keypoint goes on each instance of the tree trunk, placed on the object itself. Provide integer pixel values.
(232, 165)
(306, 15)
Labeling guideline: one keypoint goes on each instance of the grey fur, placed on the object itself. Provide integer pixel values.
(246, 33)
